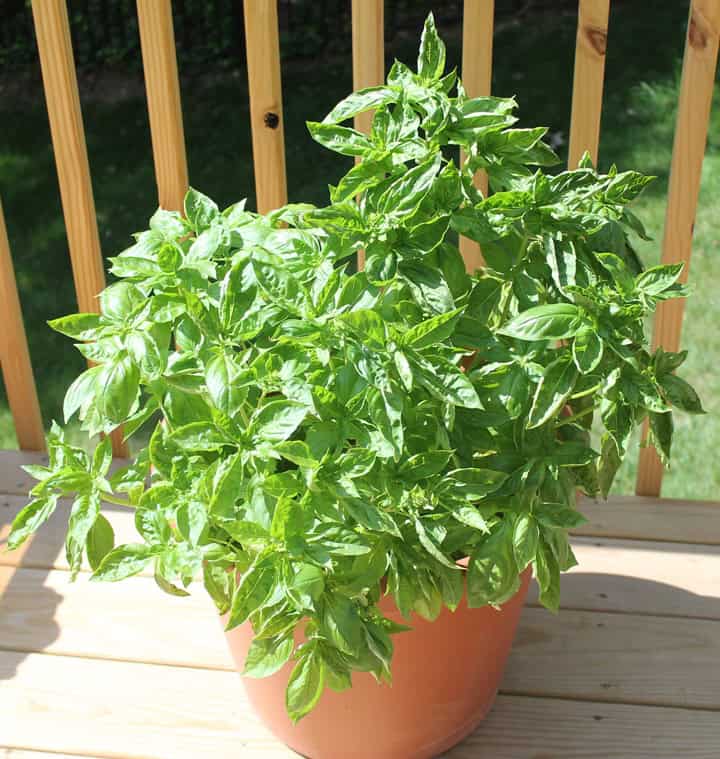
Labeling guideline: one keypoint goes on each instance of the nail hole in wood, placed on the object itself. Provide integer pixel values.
(271, 120)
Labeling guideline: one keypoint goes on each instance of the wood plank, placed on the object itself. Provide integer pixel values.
(19, 753)
(661, 661)
(477, 47)
(15, 356)
(157, 40)
(42, 610)
(52, 31)
(590, 47)
(368, 45)
(266, 112)
(13, 479)
(538, 728)
(368, 58)
(696, 92)
(668, 579)
(57, 703)
(140, 710)
(645, 518)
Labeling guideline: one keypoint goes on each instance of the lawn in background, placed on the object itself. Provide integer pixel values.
(533, 60)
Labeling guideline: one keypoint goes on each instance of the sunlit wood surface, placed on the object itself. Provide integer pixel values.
(628, 669)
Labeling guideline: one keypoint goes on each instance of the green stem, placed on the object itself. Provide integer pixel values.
(575, 417)
(118, 501)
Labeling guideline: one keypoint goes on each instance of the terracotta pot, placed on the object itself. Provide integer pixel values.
(445, 677)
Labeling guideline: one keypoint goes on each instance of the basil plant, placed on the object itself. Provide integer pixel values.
(320, 437)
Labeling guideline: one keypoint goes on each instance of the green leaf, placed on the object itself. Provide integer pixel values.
(360, 101)
(547, 573)
(100, 541)
(116, 387)
(474, 483)
(405, 193)
(492, 573)
(305, 685)
(432, 331)
(559, 515)
(85, 510)
(340, 139)
(81, 393)
(306, 585)
(223, 385)
(78, 326)
(123, 561)
(526, 536)
(251, 593)
(661, 431)
(656, 280)
(200, 210)
(198, 436)
(431, 58)
(680, 394)
(556, 321)
(587, 351)
(553, 391)
(423, 465)
(277, 420)
(29, 518)
(267, 655)
(430, 546)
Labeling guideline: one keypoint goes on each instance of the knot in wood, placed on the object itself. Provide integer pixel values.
(271, 120)
(597, 38)
(697, 34)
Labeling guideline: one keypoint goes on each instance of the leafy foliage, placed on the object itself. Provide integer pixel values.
(320, 436)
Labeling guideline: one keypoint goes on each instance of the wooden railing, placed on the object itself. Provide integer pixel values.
(264, 75)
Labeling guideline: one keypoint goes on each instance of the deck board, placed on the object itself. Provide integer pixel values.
(627, 670)
(83, 706)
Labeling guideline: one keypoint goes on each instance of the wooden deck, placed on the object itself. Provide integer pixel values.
(630, 668)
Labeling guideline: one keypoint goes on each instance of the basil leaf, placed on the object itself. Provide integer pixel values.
(555, 387)
(305, 685)
(267, 655)
(123, 561)
(556, 321)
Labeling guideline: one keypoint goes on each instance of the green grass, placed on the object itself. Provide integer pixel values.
(533, 60)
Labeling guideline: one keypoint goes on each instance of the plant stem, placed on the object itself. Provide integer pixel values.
(575, 417)
(117, 501)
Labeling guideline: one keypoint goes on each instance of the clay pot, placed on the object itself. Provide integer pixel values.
(445, 677)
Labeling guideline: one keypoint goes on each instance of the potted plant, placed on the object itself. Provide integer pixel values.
(365, 467)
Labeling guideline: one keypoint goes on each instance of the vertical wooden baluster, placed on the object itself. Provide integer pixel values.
(368, 45)
(590, 46)
(266, 113)
(15, 356)
(476, 74)
(68, 138)
(157, 39)
(696, 91)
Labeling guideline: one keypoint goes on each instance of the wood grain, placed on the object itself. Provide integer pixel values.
(645, 518)
(696, 92)
(644, 577)
(94, 707)
(15, 356)
(538, 728)
(266, 112)
(52, 31)
(157, 40)
(590, 47)
(477, 49)
(368, 46)
(42, 610)
(368, 59)
(628, 658)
